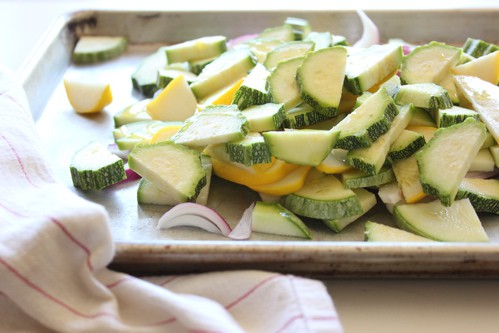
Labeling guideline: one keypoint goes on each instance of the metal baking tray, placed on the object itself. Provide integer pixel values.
(143, 249)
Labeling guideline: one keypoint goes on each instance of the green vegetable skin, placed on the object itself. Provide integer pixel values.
(278, 93)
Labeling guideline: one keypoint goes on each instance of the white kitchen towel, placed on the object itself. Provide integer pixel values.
(55, 248)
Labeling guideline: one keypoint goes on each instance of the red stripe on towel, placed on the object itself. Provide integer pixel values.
(19, 161)
(252, 290)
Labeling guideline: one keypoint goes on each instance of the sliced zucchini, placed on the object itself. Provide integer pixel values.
(301, 27)
(485, 68)
(321, 40)
(283, 33)
(320, 78)
(446, 158)
(377, 232)
(323, 197)
(167, 75)
(215, 124)
(368, 122)
(371, 159)
(172, 167)
(454, 115)
(176, 102)
(429, 63)
(358, 179)
(249, 150)
(482, 193)
(260, 47)
(287, 51)
(424, 95)
(422, 117)
(369, 66)
(132, 113)
(494, 151)
(93, 49)
(129, 135)
(477, 47)
(407, 173)
(93, 167)
(302, 147)
(484, 98)
(253, 91)
(301, 116)
(455, 223)
(196, 49)
(283, 87)
(405, 145)
(224, 70)
(145, 77)
(367, 201)
(273, 218)
(265, 117)
(197, 66)
(149, 193)
(483, 162)
(335, 162)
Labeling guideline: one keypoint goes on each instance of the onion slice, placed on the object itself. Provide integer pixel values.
(243, 229)
(370, 33)
(194, 215)
(241, 39)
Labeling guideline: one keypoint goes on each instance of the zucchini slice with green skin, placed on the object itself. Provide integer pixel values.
(445, 159)
(454, 115)
(249, 150)
(405, 145)
(133, 113)
(215, 124)
(357, 178)
(364, 125)
(273, 218)
(224, 70)
(196, 49)
(421, 117)
(429, 63)
(197, 66)
(366, 67)
(456, 223)
(377, 232)
(260, 47)
(253, 91)
(367, 201)
(301, 27)
(283, 87)
(287, 51)
(301, 116)
(129, 135)
(483, 162)
(323, 197)
(145, 77)
(320, 78)
(265, 117)
(424, 95)
(482, 193)
(172, 167)
(371, 159)
(283, 33)
(93, 49)
(166, 75)
(300, 146)
(321, 40)
(477, 47)
(93, 167)
(148, 193)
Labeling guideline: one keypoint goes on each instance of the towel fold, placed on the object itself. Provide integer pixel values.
(55, 248)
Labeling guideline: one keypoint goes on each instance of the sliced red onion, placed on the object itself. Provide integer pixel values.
(131, 175)
(113, 149)
(243, 229)
(240, 39)
(370, 33)
(483, 174)
(194, 215)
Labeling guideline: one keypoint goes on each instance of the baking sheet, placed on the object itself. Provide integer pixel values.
(143, 249)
